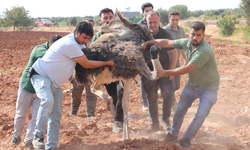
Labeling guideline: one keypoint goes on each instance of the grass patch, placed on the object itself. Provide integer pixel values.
(239, 45)
(220, 39)
(142, 145)
(236, 41)
(232, 62)
(42, 39)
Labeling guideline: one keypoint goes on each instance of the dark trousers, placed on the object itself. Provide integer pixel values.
(167, 92)
(116, 92)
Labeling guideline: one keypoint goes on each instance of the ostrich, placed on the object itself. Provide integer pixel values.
(122, 43)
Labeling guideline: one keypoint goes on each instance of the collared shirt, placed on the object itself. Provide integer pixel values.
(98, 34)
(175, 34)
(143, 21)
(206, 75)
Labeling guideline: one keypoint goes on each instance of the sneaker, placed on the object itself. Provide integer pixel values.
(29, 144)
(154, 127)
(90, 116)
(15, 140)
(166, 124)
(170, 138)
(74, 113)
(52, 148)
(185, 143)
(117, 127)
(38, 142)
(144, 107)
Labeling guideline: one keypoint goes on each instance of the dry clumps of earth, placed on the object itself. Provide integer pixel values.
(227, 127)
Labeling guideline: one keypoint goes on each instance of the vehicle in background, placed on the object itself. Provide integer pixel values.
(43, 22)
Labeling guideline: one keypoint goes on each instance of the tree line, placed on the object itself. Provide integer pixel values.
(19, 16)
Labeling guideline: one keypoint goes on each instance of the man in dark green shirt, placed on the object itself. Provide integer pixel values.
(203, 83)
(27, 98)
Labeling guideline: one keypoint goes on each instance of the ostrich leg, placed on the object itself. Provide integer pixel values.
(125, 105)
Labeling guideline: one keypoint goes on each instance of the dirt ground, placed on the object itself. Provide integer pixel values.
(226, 128)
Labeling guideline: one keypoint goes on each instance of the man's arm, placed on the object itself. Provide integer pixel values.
(164, 43)
(83, 61)
(174, 57)
(177, 71)
(184, 56)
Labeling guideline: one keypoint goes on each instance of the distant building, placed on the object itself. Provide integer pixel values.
(130, 14)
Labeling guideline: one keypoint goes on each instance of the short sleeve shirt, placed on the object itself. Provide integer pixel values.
(58, 63)
(98, 34)
(143, 21)
(175, 34)
(206, 75)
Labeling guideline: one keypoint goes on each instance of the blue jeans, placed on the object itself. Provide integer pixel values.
(50, 110)
(167, 91)
(208, 98)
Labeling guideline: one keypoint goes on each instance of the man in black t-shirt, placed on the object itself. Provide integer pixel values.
(166, 84)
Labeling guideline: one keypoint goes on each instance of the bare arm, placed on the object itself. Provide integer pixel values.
(83, 61)
(184, 56)
(164, 43)
(177, 71)
(174, 57)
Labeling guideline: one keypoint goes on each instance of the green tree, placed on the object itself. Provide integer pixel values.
(226, 12)
(163, 16)
(73, 21)
(197, 13)
(17, 16)
(245, 6)
(226, 25)
(182, 9)
(238, 12)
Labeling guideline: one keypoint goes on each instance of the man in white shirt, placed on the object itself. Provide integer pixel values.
(48, 75)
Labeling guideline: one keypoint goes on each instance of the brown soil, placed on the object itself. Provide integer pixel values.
(226, 128)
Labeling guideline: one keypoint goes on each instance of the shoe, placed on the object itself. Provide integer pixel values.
(117, 127)
(170, 138)
(154, 127)
(144, 107)
(74, 113)
(15, 140)
(29, 144)
(38, 142)
(186, 143)
(52, 148)
(166, 125)
(90, 116)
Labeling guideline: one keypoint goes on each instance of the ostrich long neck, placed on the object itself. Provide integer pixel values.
(156, 64)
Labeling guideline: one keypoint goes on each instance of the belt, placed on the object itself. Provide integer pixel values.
(34, 72)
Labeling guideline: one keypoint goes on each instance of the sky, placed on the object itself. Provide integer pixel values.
(71, 8)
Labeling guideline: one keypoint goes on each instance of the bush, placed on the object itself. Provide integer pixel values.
(226, 25)
(246, 32)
